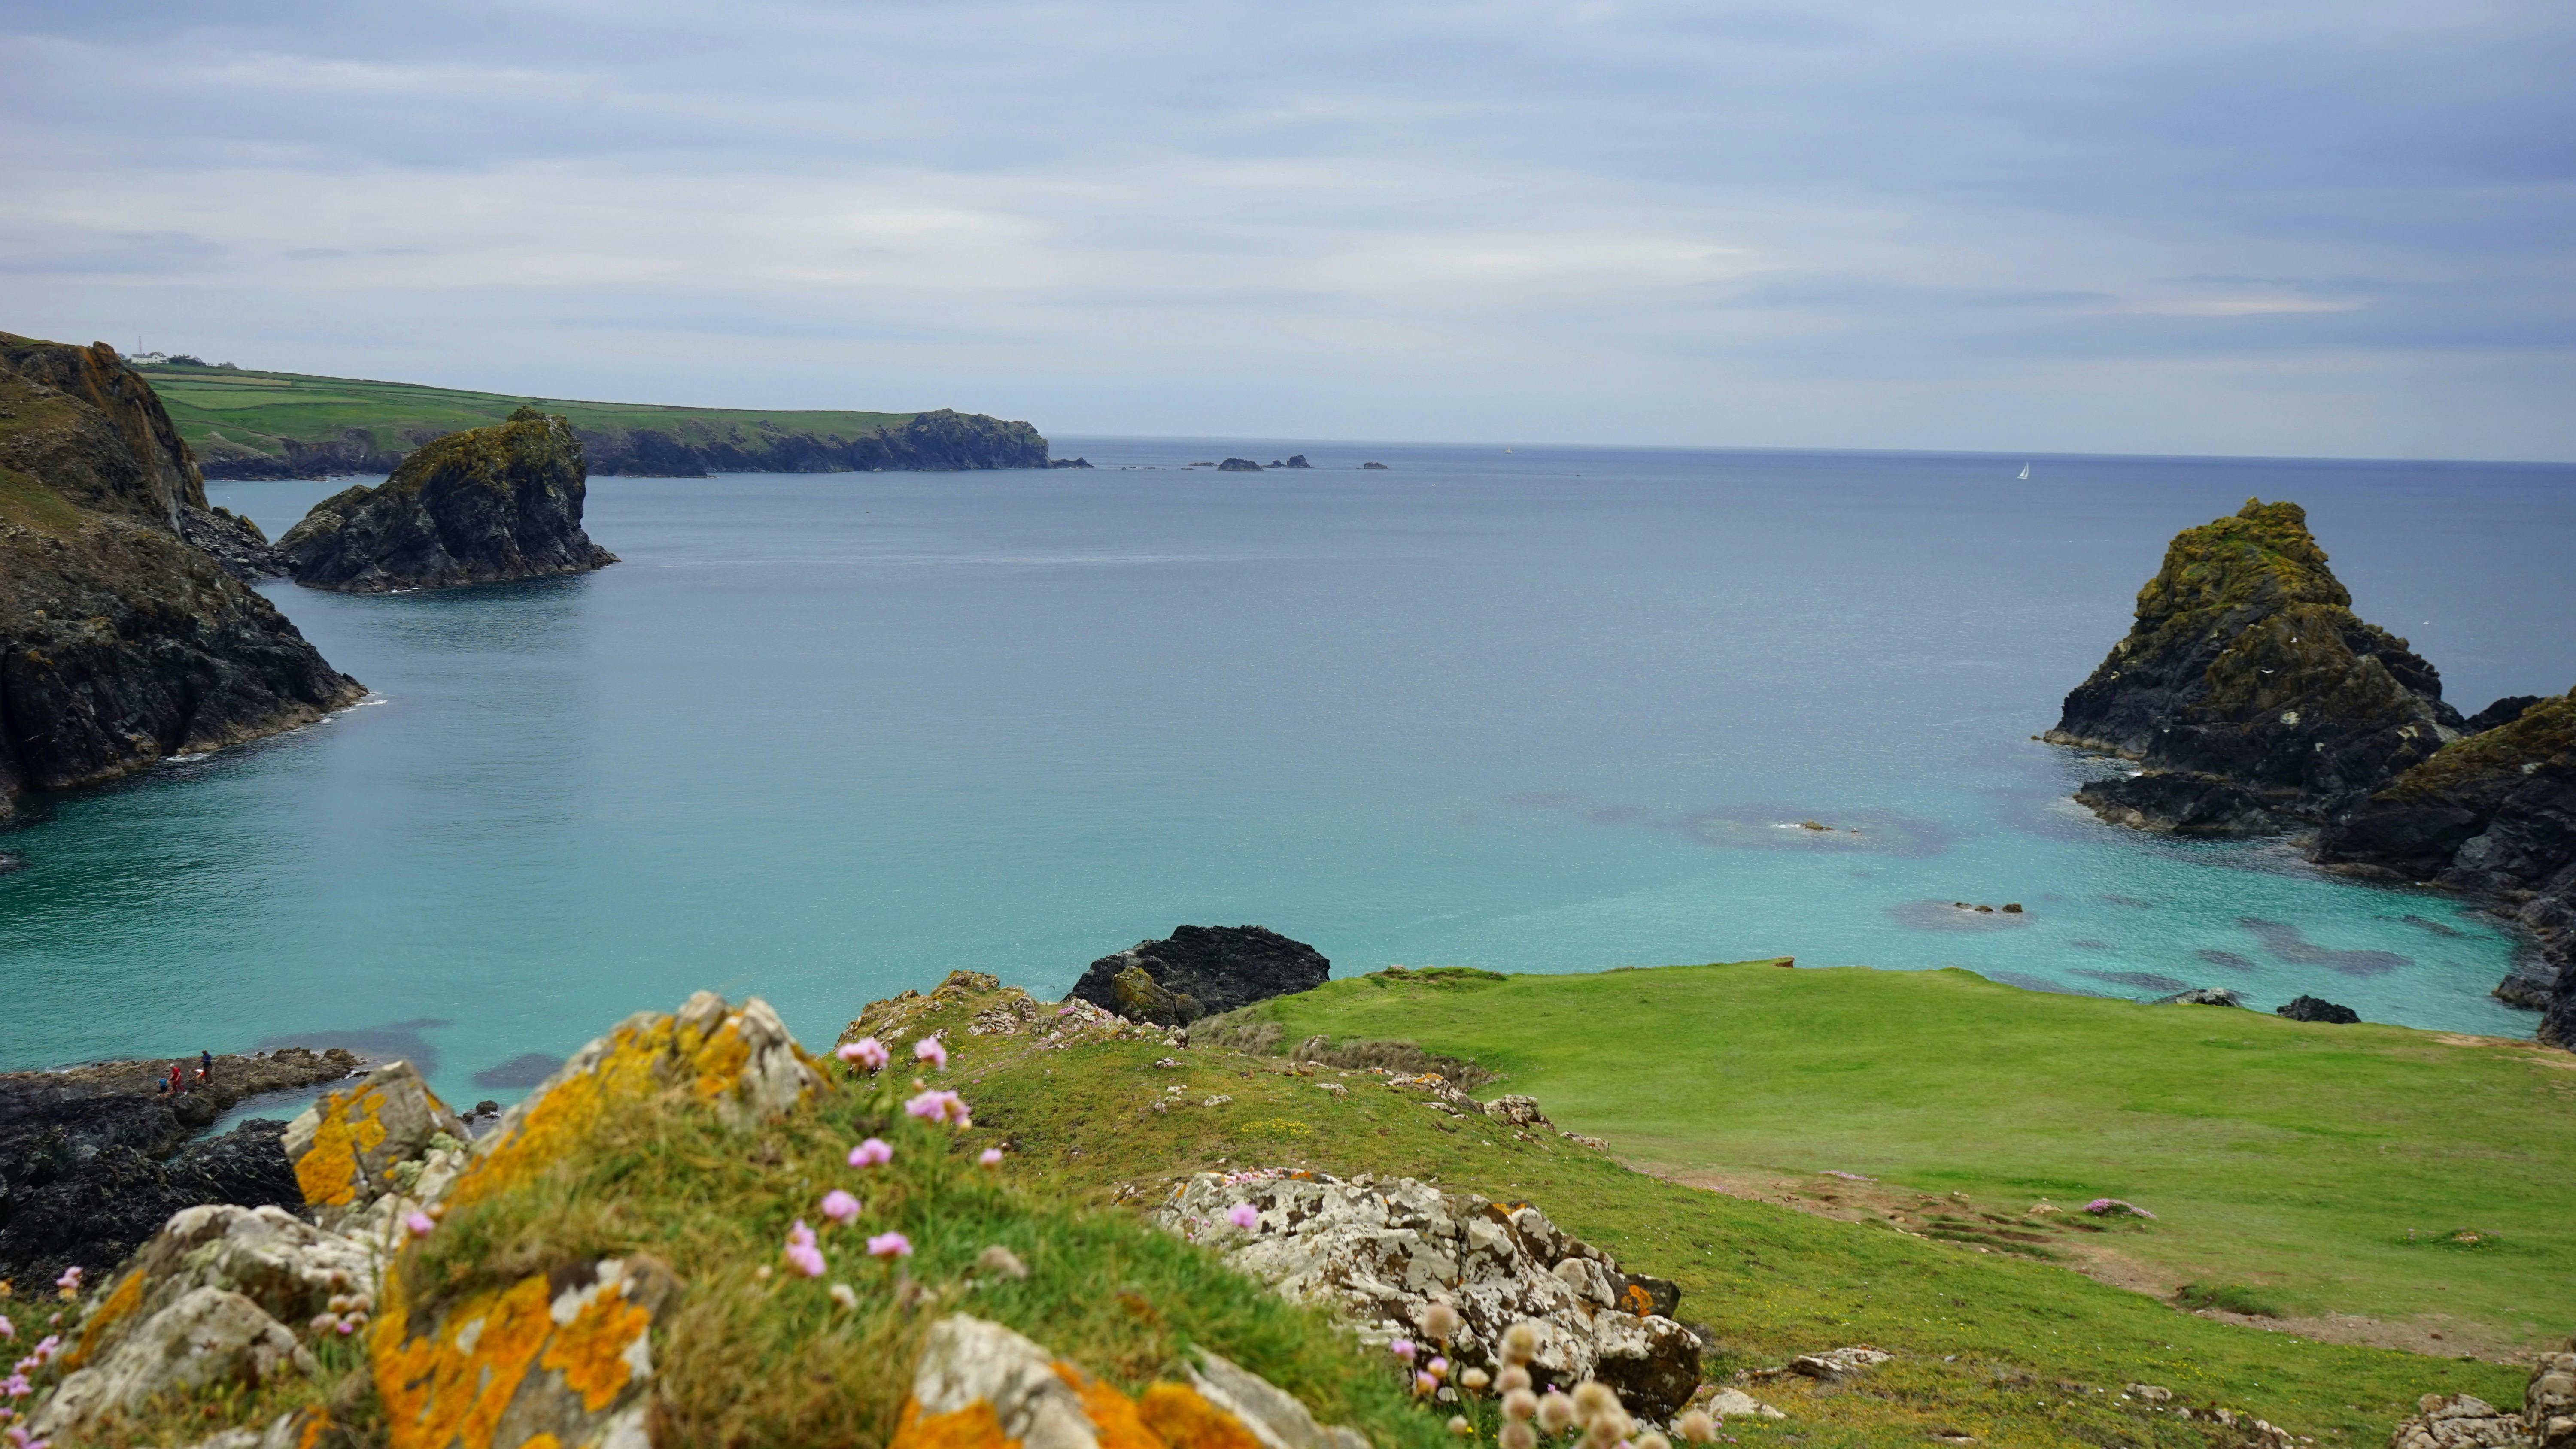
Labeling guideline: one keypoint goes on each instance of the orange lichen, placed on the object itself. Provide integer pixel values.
(1114, 1417)
(317, 1422)
(329, 1171)
(450, 1386)
(121, 1303)
(590, 1351)
(554, 1123)
(1186, 1420)
(1640, 1302)
(974, 1427)
(720, 1059)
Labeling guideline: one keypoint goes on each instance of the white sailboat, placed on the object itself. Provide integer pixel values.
(2025, 474)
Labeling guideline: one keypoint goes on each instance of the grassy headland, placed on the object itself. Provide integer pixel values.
(2360, 1170)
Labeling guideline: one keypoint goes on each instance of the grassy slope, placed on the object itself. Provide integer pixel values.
(256, 409)
(2329, 1166)
(2012, 1351)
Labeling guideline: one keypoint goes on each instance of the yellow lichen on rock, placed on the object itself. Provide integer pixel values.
(328, 1172)
(103, 1320)
(347, 1144)
(450, 1386)
(974, 1427)
(1183, 1419)
(1114, 1416)
(521, 1366)
(595, 1351)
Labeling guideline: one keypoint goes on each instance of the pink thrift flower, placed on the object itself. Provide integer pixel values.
(70, 1281)
(419, 1224)
(808, 1261)
(46, 1345)
(945, 1107)
(16, 1386)
(348, 1326)
(990, 1157)
(1243, 1215)
(890, 1246)
(799, 1235)
(7, 1329)
(867, 1052)
(1424, 1383)
(871, 1153)
(929, 1050)
(1438, 1368)
(839, 1206)
(1402, 1348)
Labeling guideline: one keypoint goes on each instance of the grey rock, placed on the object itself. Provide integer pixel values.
(2201, 996)
(209, 1336)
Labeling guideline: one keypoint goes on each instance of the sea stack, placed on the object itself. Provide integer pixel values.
(2249, 690)
(480, 506)
(1201, 971)
(120, 643)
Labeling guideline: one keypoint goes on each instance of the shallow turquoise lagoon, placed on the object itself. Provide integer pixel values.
(821, 738)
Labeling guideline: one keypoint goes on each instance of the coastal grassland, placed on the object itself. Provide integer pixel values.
(260, 410)
(2372, 1170)
(2012, 1351)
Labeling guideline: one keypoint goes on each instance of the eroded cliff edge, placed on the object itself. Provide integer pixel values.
(121, 643)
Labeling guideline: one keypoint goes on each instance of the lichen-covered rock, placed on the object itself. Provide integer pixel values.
(1201, 971)
(2549, 1402)
(741, 1061)
(1385, 1251)
(286, 1267)
(347, 1145)
(560, 1359)
(482, 505)
(1000, 1011)
(210, 1336)
(2247, 666)
(2460, 1421)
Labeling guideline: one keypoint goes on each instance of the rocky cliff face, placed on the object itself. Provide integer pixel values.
(479, 506)
(120, 643)
(1201, 971)
(2250, 691)
(2494, 813)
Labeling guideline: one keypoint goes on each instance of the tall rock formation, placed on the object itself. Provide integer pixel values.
(1201, 971)
(2250, 691)
(479, 506)
(120, 643)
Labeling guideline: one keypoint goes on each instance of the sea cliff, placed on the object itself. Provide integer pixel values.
(121, 643)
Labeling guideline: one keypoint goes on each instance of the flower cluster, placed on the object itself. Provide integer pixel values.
(867, 1053)
(929, 1050)
(2112, 1207)
(945, 1107)
(872, 1153)
(803, 1251)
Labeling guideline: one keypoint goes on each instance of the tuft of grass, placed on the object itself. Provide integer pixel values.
(2227, 1298)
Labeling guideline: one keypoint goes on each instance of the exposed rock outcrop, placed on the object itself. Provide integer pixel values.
(2495, 814)
(2463, 1421)
(1201, 971)
(94, 1160)
(235, 543)
(1238, 465)
(120, 643)
(2317, 1008)
(2201, 996)
(2250, 691)
(479, 506)
(1385, 1252)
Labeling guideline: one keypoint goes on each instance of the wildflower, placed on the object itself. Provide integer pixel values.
(1520, 1342)
(1517, 1435)
(871, 1153)
(1424, 1383)
(419, 1224)
(1244, 1215)
(1652, 1440)
(7, 1329)
(1519, 1404)
(990, 1157)
(1459, 1426)
(1442, 1322)
(1474, 1378)
(867, 1052)
(46, 1345)
(1696, 1427)
(839, 1206)
(1512, 1377)
(1555, 1412)
(844, 1295)
(929, 1050)
(889, 1246)
(323, 1323)
(945, 1107)
(18, 1440)
(1402, 1348)
(1594, 1399)
(16, 1385)
(802, 1252)
(348, 1326)
(1438, 1368)
(70, 1281)
(1001, 1260)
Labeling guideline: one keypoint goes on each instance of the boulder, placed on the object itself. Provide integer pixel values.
(2247, 666)
(1382, 1252)
(209, 1337)
(2201, 996)
(2460, 1421)
(2549, 1400)
(2313, 1008)
(486, 504)
(552, 1358)
(347, 1146)
(1201, 971)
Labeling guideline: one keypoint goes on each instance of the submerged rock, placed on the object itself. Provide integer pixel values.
(2248, 672)
(479, 506)
(2315, 1008)
(1201, 971)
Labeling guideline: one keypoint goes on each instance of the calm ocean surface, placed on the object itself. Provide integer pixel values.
(821, 738)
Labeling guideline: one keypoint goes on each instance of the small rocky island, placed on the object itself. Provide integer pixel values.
(480, 506)
(1201, 971)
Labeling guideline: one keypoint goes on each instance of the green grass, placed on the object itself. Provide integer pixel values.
(258, 410)
(2331, 1168)
(2013, 1350)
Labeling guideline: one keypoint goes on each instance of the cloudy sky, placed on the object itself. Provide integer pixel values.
(2326, 227)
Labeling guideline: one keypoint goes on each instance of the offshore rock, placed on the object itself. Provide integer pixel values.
(120, 643)
(1238, 465)
(479, 506)
(2184, 804)
(2247, 666)
(2315, 1008)
(1201, 971)
(94, 1160)
(2495, 814)
(1385, 1251)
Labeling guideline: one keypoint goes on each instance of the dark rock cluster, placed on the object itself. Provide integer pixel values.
(2317, 1008)
(1201, 971)
(95, 1159)
(121, 643)
(479, 506)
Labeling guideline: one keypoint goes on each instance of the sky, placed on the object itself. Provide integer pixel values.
(2321, 228)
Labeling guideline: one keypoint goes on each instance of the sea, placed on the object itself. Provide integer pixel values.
(822, 738)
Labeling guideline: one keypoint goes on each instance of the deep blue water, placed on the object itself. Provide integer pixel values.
(824, 737)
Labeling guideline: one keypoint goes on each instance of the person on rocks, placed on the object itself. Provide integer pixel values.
(205, 1066)
(176, 1082)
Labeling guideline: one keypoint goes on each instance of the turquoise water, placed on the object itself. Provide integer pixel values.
(824, 737)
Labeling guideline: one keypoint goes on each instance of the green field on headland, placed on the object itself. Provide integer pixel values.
(2406, 1176)
(218, 408)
